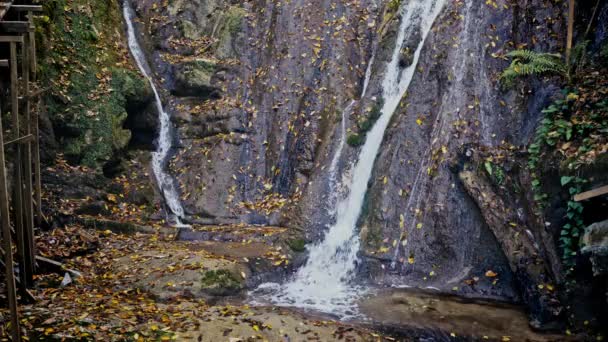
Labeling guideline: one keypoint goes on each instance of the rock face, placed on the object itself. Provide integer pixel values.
(96, 104)
(250, 153)
(257, 89)
(454, 100)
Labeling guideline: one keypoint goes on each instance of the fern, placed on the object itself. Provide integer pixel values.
(528, 63)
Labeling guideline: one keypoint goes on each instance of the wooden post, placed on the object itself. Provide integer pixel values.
(18, 184)
(27, 167)
(570, 30)
(35, 128)
(6, 234)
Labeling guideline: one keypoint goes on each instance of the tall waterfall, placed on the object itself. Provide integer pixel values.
(164, 143)
(325, 282)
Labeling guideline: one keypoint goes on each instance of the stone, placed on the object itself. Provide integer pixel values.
(595, 245)
(220, 283)
(93, 209)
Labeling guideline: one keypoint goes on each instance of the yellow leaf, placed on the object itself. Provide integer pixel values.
(491, 274)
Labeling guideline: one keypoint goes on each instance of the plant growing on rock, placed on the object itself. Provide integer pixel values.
(365, 124)
(529, 63)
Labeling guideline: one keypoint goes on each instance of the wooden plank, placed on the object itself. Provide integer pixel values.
(8, 39)
(3, 63)
(6, 242)
(57, 267)
(32, 46)
(14, 27)
(26, 8)
(27, 166)
(30, 298)
(35, 130)
(22, 140)
(5, 6)
(591, 193)
(18, 179)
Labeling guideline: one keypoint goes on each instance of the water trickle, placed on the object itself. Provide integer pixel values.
(325, 282)
(164, 142)
(333, 167)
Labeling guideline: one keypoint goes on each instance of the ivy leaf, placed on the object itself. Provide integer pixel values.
(566, 179)
(488, 166)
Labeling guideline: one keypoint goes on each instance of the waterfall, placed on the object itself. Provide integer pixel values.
(325, 282)
(164, 142)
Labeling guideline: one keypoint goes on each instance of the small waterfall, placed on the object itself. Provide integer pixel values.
(325, 282)
(164, 142)
(333, 168)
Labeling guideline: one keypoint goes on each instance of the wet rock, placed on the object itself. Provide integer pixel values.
(595, 242)
(453, 100)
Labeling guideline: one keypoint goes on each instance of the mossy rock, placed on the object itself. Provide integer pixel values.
(220, 283)
(355, 140)
(194, 79)
(136, 89)
(88, 108)
(229, 32)
(297, 245)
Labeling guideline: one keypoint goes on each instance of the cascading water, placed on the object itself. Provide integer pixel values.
(325, 283)
(333, 167)
(164, 142)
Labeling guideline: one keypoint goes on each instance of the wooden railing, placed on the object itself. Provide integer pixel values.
(17, 38)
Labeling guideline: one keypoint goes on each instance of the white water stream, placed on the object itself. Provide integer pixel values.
(164, 142)
(325, 283)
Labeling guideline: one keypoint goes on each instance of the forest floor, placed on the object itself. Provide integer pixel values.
(150, 287)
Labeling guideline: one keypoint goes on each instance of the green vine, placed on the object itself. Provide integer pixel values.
(574, 226)
(555, 129)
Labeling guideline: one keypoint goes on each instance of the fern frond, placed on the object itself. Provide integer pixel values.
(528, 63)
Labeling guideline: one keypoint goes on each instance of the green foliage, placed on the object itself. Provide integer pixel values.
(495, 172)
(604, 53)
(528, 63)
(78, 59)
(355, 140)
(578, 56)
(551, 129)
(574, 226)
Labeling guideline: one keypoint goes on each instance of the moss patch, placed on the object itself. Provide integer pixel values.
(86, 66)
(355, 140)
(220, 283)
(297, 245)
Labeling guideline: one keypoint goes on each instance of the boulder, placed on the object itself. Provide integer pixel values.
(595, 245)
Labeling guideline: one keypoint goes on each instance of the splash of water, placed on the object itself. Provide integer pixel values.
(325, 283)
(164, 142)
